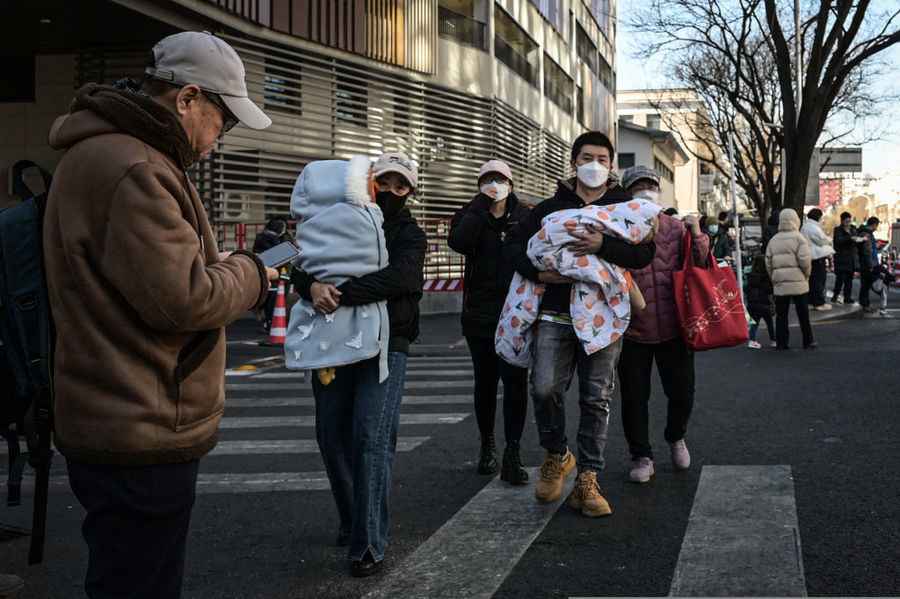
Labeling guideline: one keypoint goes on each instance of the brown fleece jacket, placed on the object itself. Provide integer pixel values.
(139, 296)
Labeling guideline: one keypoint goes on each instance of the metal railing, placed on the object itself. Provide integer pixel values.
(462, 29)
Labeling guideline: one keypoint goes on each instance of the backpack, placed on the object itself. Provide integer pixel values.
(26, 351)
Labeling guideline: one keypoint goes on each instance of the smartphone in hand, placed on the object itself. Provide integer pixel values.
(281, 254)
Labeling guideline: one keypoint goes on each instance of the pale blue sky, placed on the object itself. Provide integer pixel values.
(879, 158)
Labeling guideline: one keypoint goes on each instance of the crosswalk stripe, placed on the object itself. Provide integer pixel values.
(280, 446)
(230, 483)
(474, 551)
(409, 374)
(303, 421)
(250, 386)
(742, 516)
(302, 402)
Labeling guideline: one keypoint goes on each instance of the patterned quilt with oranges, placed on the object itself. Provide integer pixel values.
(600, 306)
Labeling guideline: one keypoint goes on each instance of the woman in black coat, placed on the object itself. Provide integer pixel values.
(478, 231)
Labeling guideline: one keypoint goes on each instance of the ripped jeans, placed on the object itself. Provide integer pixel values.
(558, 353)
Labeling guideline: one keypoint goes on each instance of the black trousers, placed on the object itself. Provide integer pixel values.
(675, 364)
(782, 332)
(136, 527)
(817, 282)
(866, 278)
(489, 369)
(843, 284)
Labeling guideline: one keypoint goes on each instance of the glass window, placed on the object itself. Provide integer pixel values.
(654, 121)
(586, 49)
(558, 87)
(514, 48)
(626, 160)
(281, 90)
(456, 21)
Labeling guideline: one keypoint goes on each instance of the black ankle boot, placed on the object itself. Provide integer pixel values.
(513, 472)
(487, 464)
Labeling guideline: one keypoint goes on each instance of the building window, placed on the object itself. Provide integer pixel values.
(607, 75)
(587, 51)
(626, 160)
(351, 99)
(456, 22)
(281, 90)
(628, 118)
(514, 48)
(558, 87)
(654, 121)
(550, 10)
(579, 107)
(664, 171)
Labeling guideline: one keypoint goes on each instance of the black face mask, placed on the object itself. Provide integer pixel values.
(389, 203)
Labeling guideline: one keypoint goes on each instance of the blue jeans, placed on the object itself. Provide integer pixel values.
(557, 354)
(356, 427)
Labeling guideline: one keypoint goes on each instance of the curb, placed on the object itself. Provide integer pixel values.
(835, 315)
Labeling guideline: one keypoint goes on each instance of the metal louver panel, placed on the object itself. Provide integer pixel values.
(325, 107)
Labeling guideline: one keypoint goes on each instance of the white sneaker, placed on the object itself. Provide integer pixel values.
(837, 300)
(754, 345)
(681, 458)
(641, 470)
(773, 344)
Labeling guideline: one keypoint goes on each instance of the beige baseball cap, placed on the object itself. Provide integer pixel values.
(207, 61)
(397, 162)
(495, 166)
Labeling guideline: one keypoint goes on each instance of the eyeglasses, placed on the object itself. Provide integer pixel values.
(228, 118)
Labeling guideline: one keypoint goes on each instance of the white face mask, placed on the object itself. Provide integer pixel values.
(496, 191)
(647, 194)
(593, 174)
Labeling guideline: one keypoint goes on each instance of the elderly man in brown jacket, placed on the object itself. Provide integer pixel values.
(141, 296)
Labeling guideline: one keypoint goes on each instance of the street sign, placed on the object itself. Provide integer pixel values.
(840, 160)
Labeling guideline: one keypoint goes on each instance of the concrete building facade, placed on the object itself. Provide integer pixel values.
(655, 148)
(698, 187)
(451, 82)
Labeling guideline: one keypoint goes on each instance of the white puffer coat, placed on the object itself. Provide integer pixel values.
(788, 258)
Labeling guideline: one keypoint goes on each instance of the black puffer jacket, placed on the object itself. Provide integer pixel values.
(760, 299)
(845, 256)
(400, 282)
(479, 236)
(614, 250)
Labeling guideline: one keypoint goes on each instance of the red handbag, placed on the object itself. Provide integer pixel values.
(710, 310)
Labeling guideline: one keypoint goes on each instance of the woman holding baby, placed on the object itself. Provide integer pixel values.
(359, 313)
(654, 335)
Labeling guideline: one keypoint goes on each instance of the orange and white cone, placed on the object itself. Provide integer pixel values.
(278, 332)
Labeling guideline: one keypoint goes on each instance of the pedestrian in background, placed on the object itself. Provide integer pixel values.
(356, 415)
(723, 244)
(789, 264)
(276, 232)
(141, 298)
(478, 231)
(558, 353)
(845, 259)
(820, 250)
(867, 249)
(760, 301)
(654, 335)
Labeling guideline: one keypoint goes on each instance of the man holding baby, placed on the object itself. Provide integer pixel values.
(557, 351)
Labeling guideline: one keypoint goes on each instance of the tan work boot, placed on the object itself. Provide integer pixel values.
(587, 497)
(554, 471)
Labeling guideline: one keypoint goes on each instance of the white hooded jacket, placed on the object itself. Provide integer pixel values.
(819, 243)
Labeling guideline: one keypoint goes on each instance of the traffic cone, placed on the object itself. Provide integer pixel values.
(278, 332)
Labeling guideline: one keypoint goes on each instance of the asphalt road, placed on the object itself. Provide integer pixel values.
(831, 415)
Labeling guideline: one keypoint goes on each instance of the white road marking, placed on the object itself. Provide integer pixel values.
(303, 421)
(743, 537)
(296, 402)
(282, 446)
(250, 386)
(474, 551)
(409, 374)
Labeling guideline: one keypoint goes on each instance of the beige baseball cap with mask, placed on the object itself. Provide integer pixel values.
(207, 61)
